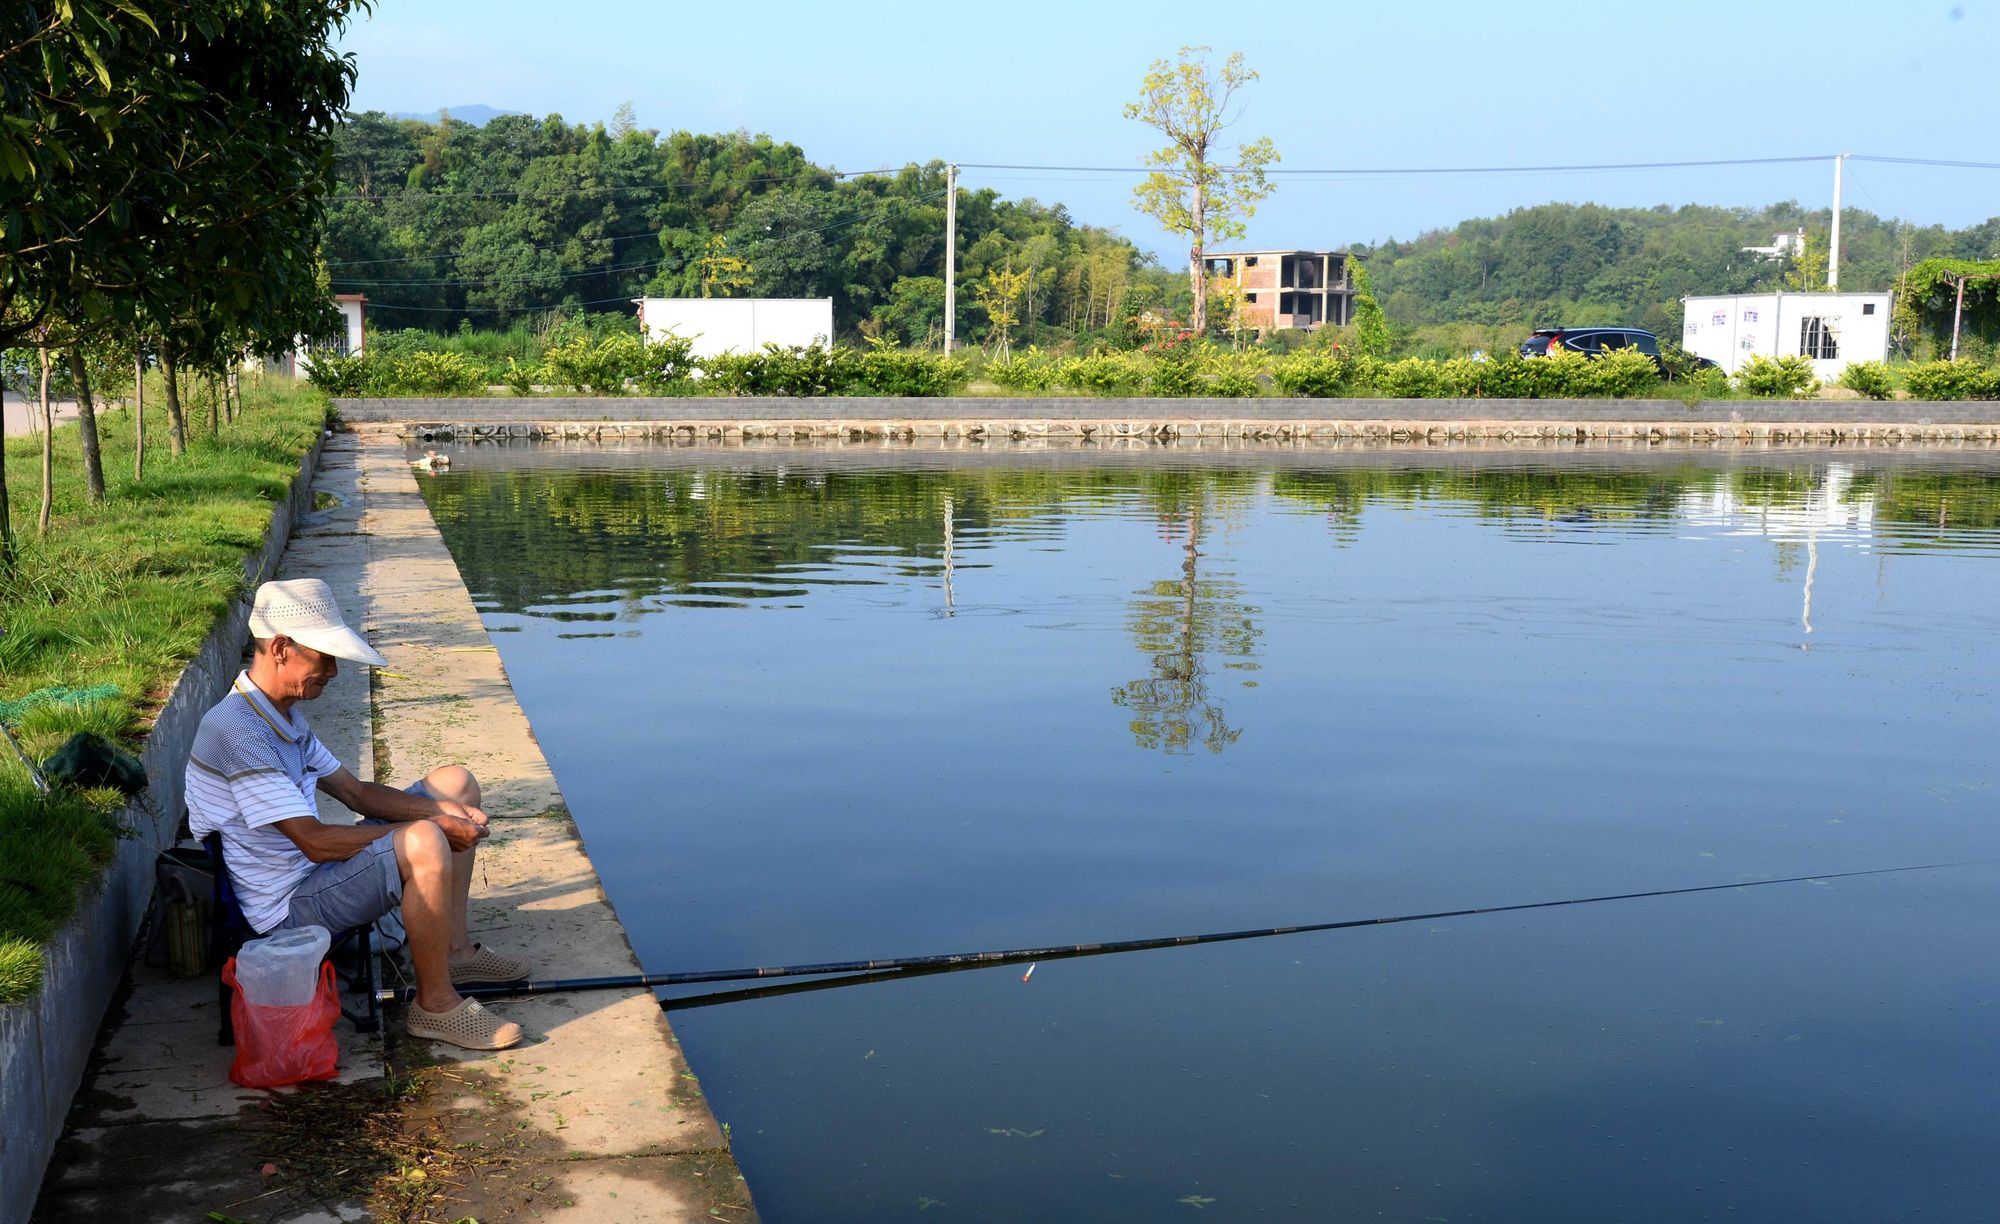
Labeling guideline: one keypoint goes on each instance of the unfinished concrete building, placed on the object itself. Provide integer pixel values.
(1280, 289)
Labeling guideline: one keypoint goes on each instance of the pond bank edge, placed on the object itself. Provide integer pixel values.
(45, 1041)
(1124, 417)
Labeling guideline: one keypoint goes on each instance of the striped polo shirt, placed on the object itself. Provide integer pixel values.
(250, 768)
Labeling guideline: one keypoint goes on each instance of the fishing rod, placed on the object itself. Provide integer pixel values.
(34, 771)
(977, 960)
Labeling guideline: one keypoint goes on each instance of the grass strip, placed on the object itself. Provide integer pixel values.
(112, 604)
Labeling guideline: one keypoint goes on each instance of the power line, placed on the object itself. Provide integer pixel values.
(635, 188)
(1360, 171)
(553, 246)
(1925, 161)
(506, 310)
(515, 279)
(532, 279)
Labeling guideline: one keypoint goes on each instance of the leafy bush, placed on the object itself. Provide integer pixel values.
(599, 367)
(1788, 377)
(1413, 378)
(1870, 378)
(1314, 375)
(520, 378)
(1030, 372)
(423, 373)
(1679, 363)
(1565, 374)
(892, 371)
(1236, 375)
(795, 370)
(1104, 373)
(1950, 380)
(1506, 376)
(1175, 374)
(1624, 373)
(667, 366)
(729, 374)
(346, 376)
(1704, 384)
(397, 371)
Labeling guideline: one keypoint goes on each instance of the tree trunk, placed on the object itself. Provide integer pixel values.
(138, 416)
(48, 452)
(176, 421)
(214, 407)
(6, 512)
(1197, 266)
(86, 419)
(232, 386)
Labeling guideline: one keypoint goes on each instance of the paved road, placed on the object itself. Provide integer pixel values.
(20, 413)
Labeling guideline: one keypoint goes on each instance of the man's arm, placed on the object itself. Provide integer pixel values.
(325, 843)
(463, 824)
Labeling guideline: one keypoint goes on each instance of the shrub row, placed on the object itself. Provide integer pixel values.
(1322, 374)
(625, 365)
(1951, 380)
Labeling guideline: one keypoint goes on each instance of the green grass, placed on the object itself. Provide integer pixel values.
(121, 594)
(50, 848)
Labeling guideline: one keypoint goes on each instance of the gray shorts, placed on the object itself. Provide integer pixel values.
(353, 891)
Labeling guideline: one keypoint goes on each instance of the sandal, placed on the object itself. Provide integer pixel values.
(468, 1025)
(486, 965)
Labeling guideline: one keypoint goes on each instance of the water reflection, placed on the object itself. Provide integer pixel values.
(905, 702)
(1179, 624)
(620, 533)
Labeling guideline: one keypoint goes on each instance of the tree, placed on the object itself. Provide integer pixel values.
(164, 164)
(996, 295)
(722, 274)
(1371, 327)
(1806, 270)
(1190, 191)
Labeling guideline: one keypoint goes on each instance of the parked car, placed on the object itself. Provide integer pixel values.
(1590, 341)
(1597, 341)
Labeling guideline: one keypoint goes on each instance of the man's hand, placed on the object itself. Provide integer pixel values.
(464, 811)
(462, 832)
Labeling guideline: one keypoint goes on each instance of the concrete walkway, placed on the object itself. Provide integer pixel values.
(594, 1118)
(24, 415)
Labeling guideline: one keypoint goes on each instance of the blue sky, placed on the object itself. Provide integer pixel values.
(1343, 86)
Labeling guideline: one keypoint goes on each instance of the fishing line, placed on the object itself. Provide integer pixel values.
(881, 969)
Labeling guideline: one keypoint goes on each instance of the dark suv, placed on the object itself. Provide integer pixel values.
(1590, 341)
(1597, 341)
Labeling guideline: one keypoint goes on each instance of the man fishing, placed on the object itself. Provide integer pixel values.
(251, 776)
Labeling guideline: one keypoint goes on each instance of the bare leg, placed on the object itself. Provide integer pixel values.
(456, 783)
(424, 858)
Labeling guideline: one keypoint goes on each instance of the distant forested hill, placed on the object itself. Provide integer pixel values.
(443, 224)
(1556, 264)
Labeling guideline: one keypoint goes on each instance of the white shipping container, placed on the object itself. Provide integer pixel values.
(738, 325)
(1832, 329)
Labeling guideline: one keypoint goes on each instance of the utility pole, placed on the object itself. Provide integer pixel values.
(1833, 242)
(950, 255)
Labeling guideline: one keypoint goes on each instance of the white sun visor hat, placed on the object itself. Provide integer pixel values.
(304, 610)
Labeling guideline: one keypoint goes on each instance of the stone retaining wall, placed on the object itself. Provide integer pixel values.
(45, 1042)
(860, 411)
(1140, 432)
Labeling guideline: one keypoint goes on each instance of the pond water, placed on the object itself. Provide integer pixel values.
(825, 704)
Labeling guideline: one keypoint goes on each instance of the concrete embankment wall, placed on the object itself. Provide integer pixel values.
(982, 418)
(45, 1041)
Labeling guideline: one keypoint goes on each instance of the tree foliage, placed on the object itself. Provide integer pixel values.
(1198, 189)
(162, 168)
(1582, 264)
(1928, 299)
(443, 222)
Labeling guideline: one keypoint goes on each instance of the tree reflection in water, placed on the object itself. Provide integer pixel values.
(1181, 624)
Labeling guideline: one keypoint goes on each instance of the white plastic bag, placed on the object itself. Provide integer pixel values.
(282, 969)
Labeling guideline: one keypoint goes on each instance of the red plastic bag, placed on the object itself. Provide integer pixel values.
(276, 1046)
